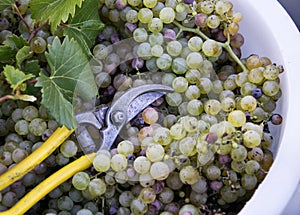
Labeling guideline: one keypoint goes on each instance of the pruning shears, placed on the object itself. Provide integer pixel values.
(109, 121)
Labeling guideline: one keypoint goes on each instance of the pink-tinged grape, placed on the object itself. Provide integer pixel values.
(200, 19)
(276, 119)
(150, 115)
(169, 34)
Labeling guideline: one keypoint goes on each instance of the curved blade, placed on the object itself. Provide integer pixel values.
(130, 104)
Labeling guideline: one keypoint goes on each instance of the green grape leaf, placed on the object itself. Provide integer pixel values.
(23, 54)
(67, 63)
(32, 66)
(7, 54)
(15, 77)
(85, 25)
(5, 4)
(53, 11)
(15, 42)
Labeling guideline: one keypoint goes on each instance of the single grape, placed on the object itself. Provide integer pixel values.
(167, 15)
(251, 139)
(237, 118)
(81, 180)
(118, 162)
(150, 115)
(194, 60)
(22, 127)
(150, 3)
(276, 119)
(147, 195)
(97, 187)
(65, 203)
(174, 48)
(180, 84)
(37, 126)
(30, 112)
(68, 148)
(38, 45)
(189, 175)
(145, 15)
(159, 170)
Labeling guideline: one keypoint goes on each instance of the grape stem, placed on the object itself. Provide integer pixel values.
(21, 17)
(225, 45)
(33, 33)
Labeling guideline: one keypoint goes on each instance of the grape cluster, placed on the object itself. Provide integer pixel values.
(202, 149)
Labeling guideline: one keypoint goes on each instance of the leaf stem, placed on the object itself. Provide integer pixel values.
(225, 45)
(33, 33)
(32, 81)
(21, 17)
(3, 80)
(6, 97)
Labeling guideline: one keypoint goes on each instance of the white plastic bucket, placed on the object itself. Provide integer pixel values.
(269, 31)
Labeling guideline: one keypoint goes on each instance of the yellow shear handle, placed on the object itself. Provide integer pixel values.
(35, 158)
(49, 184)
